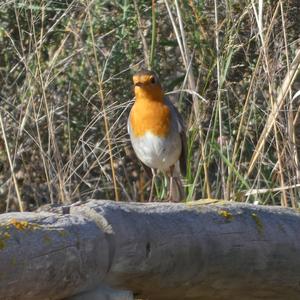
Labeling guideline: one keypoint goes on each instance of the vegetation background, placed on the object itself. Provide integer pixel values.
(65, 77)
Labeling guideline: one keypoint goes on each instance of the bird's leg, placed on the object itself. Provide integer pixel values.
(152, 185)
(176, 192)
(180, 189)
(171, 188)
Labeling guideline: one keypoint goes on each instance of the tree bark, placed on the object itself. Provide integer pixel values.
(217, 250)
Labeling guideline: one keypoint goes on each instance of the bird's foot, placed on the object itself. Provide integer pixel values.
(171, 198)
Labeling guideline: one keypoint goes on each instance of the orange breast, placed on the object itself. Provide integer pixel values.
(153, 116)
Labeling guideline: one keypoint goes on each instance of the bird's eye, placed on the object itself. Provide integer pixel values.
(152, 79)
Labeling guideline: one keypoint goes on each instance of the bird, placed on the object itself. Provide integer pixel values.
(157, 133)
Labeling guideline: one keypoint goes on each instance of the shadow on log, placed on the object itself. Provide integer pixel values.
(221, 250)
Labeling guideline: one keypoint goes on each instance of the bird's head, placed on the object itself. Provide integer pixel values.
(147, 86)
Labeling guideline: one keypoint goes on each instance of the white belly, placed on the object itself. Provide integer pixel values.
(158, 153)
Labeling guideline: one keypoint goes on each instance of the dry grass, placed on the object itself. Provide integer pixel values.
(65, 75)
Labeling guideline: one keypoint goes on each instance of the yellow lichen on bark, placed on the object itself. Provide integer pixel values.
(226, 214)
(22, 225)
(258, 222)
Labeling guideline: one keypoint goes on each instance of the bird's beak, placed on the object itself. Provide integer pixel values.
(138, 84)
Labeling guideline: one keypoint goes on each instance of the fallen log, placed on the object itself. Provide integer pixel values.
(221, 250)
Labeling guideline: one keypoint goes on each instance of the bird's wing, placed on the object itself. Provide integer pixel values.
(146, 168)
(128, 124)
(181, 130)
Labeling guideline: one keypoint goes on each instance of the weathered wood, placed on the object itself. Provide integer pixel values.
(158, 251)
(103, 292)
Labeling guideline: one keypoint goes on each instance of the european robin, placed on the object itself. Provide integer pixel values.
(157, 132)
